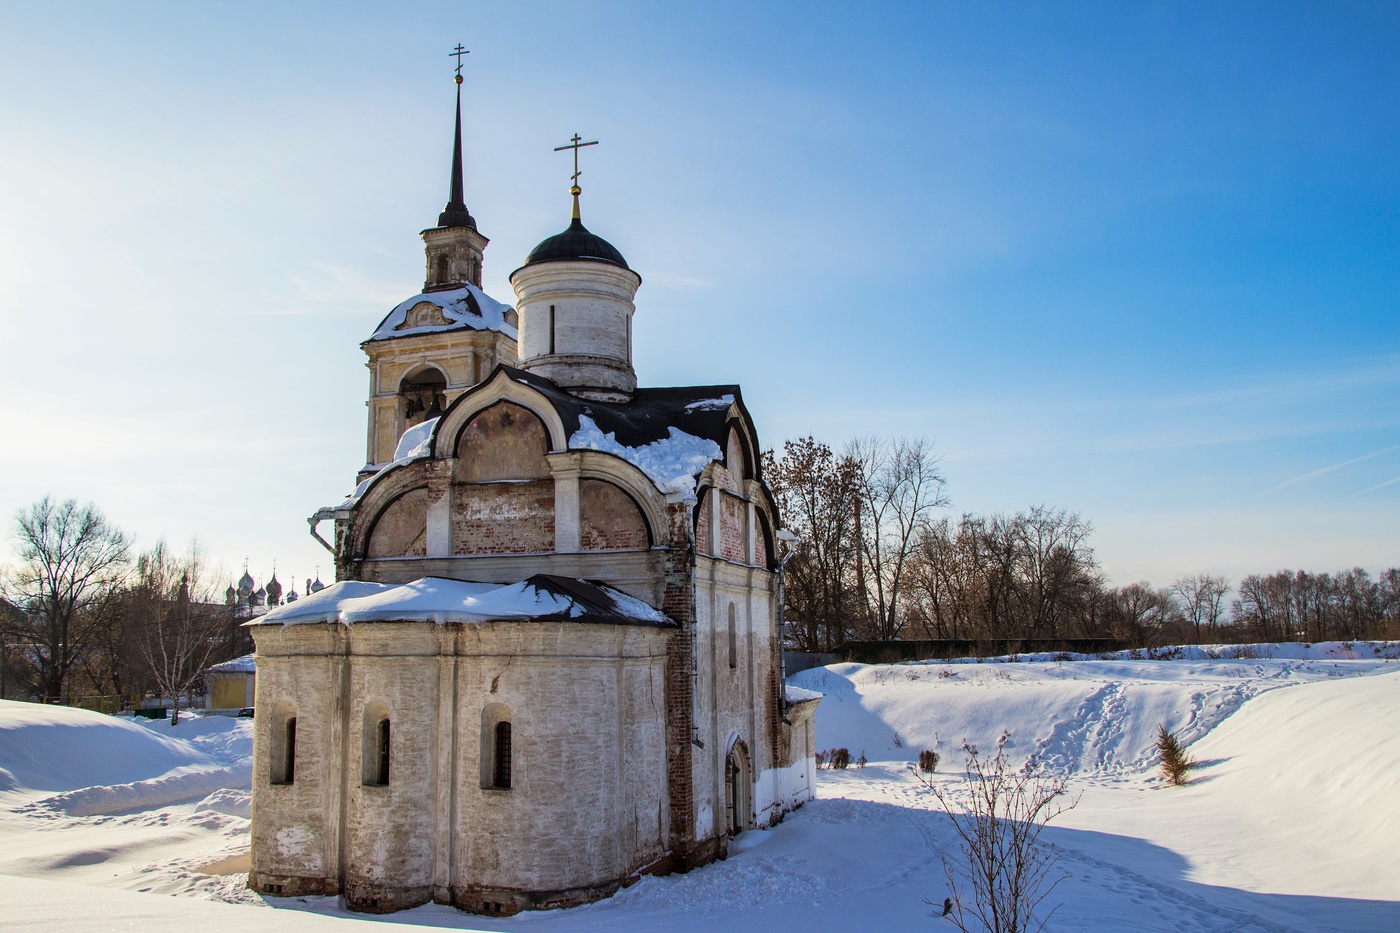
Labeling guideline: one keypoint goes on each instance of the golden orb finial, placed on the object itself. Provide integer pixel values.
(457, 78)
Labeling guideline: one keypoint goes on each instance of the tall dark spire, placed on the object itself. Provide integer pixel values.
(455, 214)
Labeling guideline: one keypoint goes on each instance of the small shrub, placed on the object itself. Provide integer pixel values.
(898, 742)
(840, 758)
(928, 761)
(821, 759)
(1175, 763)
(860, 762)
(1006, 872)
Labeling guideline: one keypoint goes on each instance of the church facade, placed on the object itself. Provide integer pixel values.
(550, 662)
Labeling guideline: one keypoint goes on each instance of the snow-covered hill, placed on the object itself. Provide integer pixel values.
(1292, 822)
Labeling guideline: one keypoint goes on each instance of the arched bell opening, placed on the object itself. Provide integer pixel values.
(422, 395)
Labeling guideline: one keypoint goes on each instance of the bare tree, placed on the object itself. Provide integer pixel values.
(72, 563)
(900, 487)
(1007, 872)
(1139, 615)
(816, 492)
(1202, 600)
(181, 633)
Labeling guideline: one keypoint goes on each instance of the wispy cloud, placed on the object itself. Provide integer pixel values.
(1329, 469)
(1389, 482)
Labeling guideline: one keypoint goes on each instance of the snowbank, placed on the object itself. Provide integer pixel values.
(172, 787)
(1078, 716)
(54, 748)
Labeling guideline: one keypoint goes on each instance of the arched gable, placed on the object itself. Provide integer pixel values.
(447, 434)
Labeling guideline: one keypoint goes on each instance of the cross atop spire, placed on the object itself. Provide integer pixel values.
(575, 145)
(457, 53)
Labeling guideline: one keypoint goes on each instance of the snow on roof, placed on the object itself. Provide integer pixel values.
(438, 600)
(672, 462)
(243, 665)
(415, 444)
(801, 694)
(416, 441)
(711, 404)
(465, 307)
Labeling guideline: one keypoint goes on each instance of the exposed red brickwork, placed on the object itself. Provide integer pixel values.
(732, 514)
(702, 523)
(678, 599)
(609, 518)
(503, 442)
(401, 529)
(503, 518)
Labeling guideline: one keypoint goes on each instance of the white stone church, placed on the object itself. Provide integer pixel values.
(550, 663)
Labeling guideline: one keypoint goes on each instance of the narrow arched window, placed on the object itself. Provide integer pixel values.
(733, 640)
(500, 774)
(284, 759)
(376, 745)
(384, 751)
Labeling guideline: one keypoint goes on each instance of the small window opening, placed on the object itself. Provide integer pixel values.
(733, 640)
(383, 751)
(551, 329)
(500, 776)
(285, 771)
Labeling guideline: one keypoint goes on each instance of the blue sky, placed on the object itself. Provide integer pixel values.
(1138, 261)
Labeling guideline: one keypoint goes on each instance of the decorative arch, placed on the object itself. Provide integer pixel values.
(609, 518)
(599, 465)
(497, 387)
(401, 527)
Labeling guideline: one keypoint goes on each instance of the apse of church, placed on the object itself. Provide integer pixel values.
(550, 661)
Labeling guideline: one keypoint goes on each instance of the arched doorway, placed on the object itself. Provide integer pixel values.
(738, 788)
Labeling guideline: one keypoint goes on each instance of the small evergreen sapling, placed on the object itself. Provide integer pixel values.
(928, 761)
(1175, 762)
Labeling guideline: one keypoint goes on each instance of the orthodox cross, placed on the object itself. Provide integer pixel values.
(575, 145)
(457, 53)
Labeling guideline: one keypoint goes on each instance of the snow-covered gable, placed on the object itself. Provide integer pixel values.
(243, 665)
(464, 308)
(543, 597)
(672, 462)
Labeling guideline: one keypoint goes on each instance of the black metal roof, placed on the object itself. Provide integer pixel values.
(576, 243)
(595, 600)
(649, 415)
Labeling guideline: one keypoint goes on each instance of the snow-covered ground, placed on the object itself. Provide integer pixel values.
(1291, 824)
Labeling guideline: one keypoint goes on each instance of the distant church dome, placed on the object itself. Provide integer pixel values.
(274, 591)
(245, 585)
(576, 243)
(316, 587)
